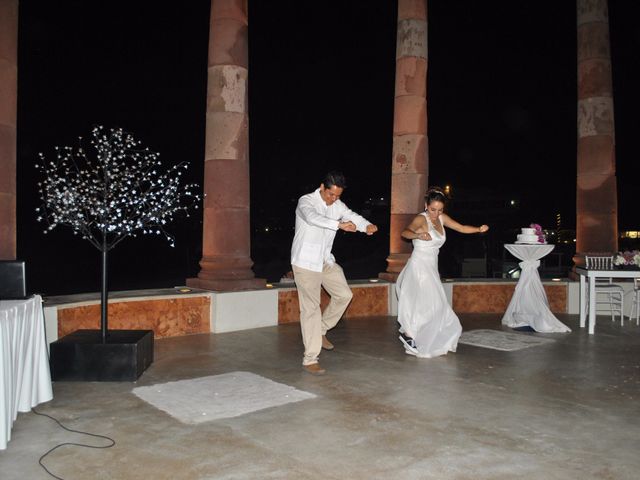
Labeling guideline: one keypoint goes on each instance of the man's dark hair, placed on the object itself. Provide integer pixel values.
(334, 178)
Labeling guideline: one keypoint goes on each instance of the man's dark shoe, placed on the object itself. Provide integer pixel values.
(314, 369)
(326, 344)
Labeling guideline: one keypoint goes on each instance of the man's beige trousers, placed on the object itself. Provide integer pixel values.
(313, 322)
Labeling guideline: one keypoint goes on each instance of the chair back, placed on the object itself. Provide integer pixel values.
(599, 262)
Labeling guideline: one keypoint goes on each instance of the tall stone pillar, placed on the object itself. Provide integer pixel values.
(597, 203)
(410, 143)
(8, 115)
(226, 262)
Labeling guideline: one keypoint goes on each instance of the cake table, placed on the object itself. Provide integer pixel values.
(529, 305)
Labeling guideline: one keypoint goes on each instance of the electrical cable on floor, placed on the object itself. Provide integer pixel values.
(113, 442)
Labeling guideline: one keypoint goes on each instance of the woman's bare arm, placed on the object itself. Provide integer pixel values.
(449, 222)
(417, 229)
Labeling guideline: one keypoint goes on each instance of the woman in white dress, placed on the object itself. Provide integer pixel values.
(428, 326)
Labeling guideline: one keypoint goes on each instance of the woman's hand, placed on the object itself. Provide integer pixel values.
(423, 235)
(483, 228)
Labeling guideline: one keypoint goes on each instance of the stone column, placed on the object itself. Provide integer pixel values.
(226, 262)
(8, 115)
(597, 204)
(410, 143)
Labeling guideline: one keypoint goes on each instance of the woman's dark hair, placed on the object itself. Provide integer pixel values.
(334, 178)
(435, 194)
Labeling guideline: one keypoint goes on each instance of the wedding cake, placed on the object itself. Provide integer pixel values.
(528, 236)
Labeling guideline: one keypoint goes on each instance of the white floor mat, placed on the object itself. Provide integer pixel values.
(221, 396)
(499, 340)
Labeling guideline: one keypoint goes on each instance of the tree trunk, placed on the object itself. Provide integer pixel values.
(103, 294)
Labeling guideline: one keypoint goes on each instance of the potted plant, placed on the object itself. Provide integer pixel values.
(627, 260)
(114, 189)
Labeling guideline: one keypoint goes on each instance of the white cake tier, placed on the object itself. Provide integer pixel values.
(522, 238)
(528, 231)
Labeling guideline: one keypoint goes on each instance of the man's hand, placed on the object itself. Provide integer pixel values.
(371, 229)
(347, 226)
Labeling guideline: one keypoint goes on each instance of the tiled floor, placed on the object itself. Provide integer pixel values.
(565, 410)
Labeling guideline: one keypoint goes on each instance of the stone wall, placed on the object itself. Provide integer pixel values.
(170, 314)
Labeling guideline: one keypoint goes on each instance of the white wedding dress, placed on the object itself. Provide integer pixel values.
(423, 311)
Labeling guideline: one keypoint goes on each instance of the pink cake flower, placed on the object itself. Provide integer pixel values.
(542, 238)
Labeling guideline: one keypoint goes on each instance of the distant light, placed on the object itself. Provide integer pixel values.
(266, 229)
(513, 202)
(556, 279)
(269, 285)
(381, 198)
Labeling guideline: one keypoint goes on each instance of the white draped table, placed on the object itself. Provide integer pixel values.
(588, 279)
(25, 378)
(529, 305)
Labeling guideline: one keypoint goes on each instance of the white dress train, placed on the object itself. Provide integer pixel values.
(423, 311)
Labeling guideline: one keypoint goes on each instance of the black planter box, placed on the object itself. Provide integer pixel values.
(82, 356)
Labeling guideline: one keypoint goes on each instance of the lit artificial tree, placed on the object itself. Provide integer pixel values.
(113, 190)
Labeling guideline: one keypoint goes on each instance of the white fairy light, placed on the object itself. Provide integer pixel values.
(112, 190)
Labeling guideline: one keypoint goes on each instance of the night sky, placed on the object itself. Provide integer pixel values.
(501, 100)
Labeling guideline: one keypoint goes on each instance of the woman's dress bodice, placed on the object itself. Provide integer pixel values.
(437, 238)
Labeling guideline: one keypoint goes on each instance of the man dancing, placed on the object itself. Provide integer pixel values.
(318, 216)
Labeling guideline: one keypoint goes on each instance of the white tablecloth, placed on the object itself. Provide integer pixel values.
(529, 305)
(25, 378)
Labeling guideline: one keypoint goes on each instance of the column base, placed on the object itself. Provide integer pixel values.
(227, 285)
(395, 264)
(389, 276)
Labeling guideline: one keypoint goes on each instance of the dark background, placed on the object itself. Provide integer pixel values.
(501, 112)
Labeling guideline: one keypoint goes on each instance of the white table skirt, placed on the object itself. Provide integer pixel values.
(25, 378)
(529, 305)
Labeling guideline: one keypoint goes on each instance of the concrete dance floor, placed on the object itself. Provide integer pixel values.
(565, 409)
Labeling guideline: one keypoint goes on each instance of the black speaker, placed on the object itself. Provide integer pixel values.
(12, 280)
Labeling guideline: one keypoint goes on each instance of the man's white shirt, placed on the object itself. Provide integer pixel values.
(316, 225)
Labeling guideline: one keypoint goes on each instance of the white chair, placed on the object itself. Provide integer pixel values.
(609, 296)
(635, 306)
